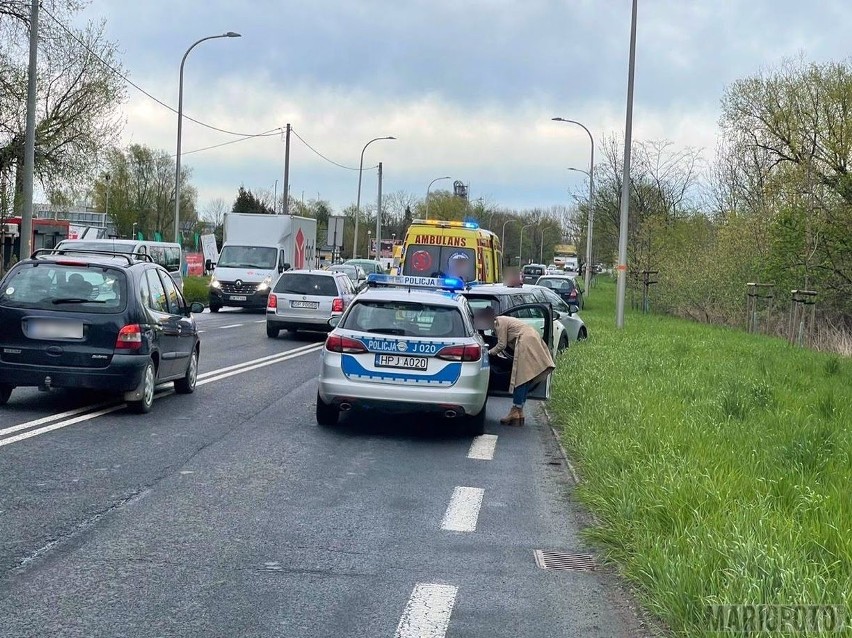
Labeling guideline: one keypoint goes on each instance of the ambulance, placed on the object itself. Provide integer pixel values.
(438, 248)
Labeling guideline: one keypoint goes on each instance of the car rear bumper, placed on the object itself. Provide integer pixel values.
(253, 300)
(302, 322)
(466, 396)
(123, 374)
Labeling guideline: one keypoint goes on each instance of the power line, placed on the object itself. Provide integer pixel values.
(269, 133)
(136, 86)
(330, 161)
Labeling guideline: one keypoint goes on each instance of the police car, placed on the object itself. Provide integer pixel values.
(408, 344)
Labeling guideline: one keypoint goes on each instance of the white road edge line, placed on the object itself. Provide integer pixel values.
(427, 613)
(233, 325)
(114, 408)
(463, 510)
(97, 406)
(482, 447)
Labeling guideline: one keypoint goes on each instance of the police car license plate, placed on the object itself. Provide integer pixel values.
(401, 361)
(304, 304)
(237, 297)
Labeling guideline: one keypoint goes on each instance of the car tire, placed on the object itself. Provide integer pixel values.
(476, 424)
(5, 393)
(149, 381)
(271, 331)
(563, 343)
(582, 335)
(215, 308)
(186, 385)
(327, 414)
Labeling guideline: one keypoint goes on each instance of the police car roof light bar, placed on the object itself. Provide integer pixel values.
(407, 281)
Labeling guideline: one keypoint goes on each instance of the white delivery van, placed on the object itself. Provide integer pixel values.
(168, 254)
(255, 250)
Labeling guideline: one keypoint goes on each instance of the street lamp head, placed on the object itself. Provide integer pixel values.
(390, 137)
(232, 34)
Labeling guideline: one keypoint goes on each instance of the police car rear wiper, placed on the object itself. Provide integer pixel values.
(77, 300)
(387, 331)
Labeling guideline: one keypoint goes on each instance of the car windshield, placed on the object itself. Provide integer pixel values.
(365, 264)
(260, 257)
(439, 261)
(350, 271)
(405, 319)
(80, 288)
(561, 283)
(306, 284)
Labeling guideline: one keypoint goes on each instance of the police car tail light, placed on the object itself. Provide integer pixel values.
(460, 353)
(345, 345)
(337, 305)
(129, 337)
(272, 302)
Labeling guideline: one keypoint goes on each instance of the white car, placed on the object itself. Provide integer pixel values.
(406, 345)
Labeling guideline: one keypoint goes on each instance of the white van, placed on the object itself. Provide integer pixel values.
(167, 254)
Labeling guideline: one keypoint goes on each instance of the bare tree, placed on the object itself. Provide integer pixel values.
(214, 212)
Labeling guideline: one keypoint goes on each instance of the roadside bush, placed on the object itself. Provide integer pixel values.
(196, 289)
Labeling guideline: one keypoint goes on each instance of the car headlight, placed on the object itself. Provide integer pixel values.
(264, 285)
(214, 283)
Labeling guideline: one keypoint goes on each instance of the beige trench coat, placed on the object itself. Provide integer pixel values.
(532, 358)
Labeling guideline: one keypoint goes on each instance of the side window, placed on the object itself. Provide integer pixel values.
(172, 258)
(539, 296)
(158, 301)
(144, 292)
(173, 298)
(345, 285)
(158, 255)
(516, 300)
(555, 300)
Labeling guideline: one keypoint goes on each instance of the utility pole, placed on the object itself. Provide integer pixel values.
(625, 181)
(379, 217)
(106, 207)
(286, 206)
(29, 142)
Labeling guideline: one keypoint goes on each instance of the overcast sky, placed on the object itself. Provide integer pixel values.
(468, 86)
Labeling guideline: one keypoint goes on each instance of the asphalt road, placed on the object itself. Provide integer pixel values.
(229, 512)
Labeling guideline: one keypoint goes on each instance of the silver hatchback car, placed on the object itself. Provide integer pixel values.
(306, 300)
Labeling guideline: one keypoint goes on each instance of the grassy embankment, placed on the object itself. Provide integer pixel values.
(195, 289)
(718, 463)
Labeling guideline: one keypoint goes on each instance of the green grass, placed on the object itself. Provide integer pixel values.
(718, 463)
(196, 289)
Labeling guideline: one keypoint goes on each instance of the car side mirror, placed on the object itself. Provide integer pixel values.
(196, 307)
(557, 315)
(333, 322)
(284, 266)
(209, 265)
(573, 309)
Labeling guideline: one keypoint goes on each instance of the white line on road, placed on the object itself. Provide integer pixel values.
(213, 373)
(233, 325)
(463, 510)
(427, 613)
(261, 321)
(244, 367)
(482, 447)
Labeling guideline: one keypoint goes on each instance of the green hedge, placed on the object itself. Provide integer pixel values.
(196, 289)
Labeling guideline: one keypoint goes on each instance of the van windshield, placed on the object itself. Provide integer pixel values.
(99, 246)
(439, 261)
(260, 257)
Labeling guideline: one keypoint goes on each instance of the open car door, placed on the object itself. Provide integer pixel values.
(538, 315)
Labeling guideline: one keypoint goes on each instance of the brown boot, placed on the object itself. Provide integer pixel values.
(515, 417)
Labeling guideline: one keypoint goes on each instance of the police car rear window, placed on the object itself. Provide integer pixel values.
(305, 284)
(405, 319)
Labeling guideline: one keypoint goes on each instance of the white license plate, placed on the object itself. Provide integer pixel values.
(46, 329)
(401, 361)
(237, 297)
(304, 304)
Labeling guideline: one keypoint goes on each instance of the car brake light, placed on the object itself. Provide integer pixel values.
(272, 302)
(460, 353)
(337, 305)
(129, 337)
(336, 343)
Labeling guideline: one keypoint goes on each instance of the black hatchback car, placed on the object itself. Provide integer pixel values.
(98, 321)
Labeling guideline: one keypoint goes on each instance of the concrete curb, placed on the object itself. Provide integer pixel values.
(574, 476)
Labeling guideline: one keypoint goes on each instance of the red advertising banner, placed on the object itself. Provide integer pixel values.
(194, 264)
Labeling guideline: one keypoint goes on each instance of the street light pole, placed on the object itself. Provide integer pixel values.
(427, 192)
(29, 139)
(358, 200)
(521, 247)
(591, 213)
(503, 234)
(229, 34)
(625, 180)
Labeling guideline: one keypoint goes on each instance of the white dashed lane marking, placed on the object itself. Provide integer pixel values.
(463, 510)
(233, 325)
(427, 613)
(482, 447)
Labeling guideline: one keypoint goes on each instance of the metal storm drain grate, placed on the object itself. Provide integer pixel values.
(564, 562)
